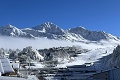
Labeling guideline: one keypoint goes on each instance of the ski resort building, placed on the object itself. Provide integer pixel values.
(113, 74)
(75, 72)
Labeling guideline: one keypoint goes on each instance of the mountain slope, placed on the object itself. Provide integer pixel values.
(91, 35)
(10, 30)
(50, 28)
(52, 31)
(93, 55)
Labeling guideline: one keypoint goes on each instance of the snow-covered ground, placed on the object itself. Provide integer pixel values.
(97, 51)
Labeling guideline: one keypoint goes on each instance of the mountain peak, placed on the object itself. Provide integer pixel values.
(9, 25)
(45, 25)
(49, 27)
(78, 29)
(48, 23)
(91, 35)
(81, 27)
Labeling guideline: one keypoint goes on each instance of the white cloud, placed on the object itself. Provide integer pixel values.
(41, 43)
(13, 43)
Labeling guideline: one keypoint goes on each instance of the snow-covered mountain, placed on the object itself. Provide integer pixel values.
(91, 35)
(52, 31)
(49, 28)
(46, 30)
(9, 30)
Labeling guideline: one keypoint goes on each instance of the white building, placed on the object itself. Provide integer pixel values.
(5, 67)
(75, 72)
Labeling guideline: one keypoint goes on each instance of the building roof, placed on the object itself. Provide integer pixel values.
(5, 66)
(13, 78)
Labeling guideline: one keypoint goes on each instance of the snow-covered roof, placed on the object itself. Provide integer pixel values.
(13, 78)
(5, 66)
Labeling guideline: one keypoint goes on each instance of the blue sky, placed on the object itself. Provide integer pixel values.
(100, 15)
